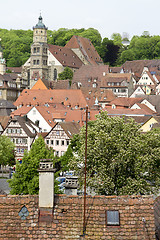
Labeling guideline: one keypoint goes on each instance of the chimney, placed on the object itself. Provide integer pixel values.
(46, 190)
(71, 185)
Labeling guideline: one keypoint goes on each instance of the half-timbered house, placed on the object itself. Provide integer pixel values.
(22, 132)
(60, 135)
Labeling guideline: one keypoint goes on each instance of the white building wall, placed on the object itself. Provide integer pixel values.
(34, 115)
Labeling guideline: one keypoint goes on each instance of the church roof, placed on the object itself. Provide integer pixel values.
(65, 56)
(87, 49)
(40, 23)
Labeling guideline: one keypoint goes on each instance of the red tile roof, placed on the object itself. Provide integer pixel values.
(87, 73)
(21, 111)
(115, 78)
(125, 102)
(137, 66)
(102, 95)
(65, 56)
(87, 49)
(128, 112)
(69, 97)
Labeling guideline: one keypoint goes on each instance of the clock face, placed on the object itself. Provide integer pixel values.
(35, 76)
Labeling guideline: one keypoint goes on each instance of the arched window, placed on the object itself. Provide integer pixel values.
(55, 74)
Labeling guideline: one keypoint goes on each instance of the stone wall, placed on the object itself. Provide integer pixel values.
(136, 218)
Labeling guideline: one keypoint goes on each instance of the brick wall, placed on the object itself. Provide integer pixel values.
(68, 215)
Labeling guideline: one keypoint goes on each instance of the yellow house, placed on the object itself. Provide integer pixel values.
(147, 126)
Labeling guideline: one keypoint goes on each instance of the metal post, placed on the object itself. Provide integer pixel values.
(84, 212)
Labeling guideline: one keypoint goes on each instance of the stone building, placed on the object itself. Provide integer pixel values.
(47, 61)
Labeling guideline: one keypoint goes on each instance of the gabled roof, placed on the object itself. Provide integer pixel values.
(146, 108)
(137, 66)
(125, 102)
(17, 70)
(115, 69)
(4, 121)
(102, 95)
(70, 128)
(116, 77)
(89, 72)
(26, 124)
(154, 100)
(21, 111)
(39, 85)
(87, 49)
(128, 112)
(65, 56)
(66, 97)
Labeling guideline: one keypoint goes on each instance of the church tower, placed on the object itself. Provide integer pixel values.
(39, 53)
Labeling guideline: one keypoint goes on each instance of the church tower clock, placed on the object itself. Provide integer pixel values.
(39, 53)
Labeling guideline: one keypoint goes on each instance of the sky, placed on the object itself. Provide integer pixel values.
(107, 16)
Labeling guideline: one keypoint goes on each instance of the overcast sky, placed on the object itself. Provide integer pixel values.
(107, 16)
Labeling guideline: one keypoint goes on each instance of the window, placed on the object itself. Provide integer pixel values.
(34, 112)
(55, 74)
(24, 140)
(9, 130)
(37, 62)
(51, 142)
(13, 130)
(47, 141)
(57, 153)
(112, 218)
(67, 142)
(57, 133)
(62, 142)
(22, 150)
(18, 150)
(62, 153)
(57, 142)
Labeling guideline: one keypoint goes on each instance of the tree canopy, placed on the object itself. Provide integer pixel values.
(16, 45)
(66, 74)
(120, 159)
(26, 179)
(6, 151)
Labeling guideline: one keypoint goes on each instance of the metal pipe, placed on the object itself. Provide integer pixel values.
(85, 172)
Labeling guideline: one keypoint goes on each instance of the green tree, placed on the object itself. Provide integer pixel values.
(66, 74)
(120, 160)
(6, 151)
(117, 39)
(26, 179)
(108, 51)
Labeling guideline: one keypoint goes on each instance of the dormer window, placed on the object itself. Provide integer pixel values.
(94, 85)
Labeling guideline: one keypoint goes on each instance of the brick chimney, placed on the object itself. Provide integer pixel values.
(71, 185)
(46, 189)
